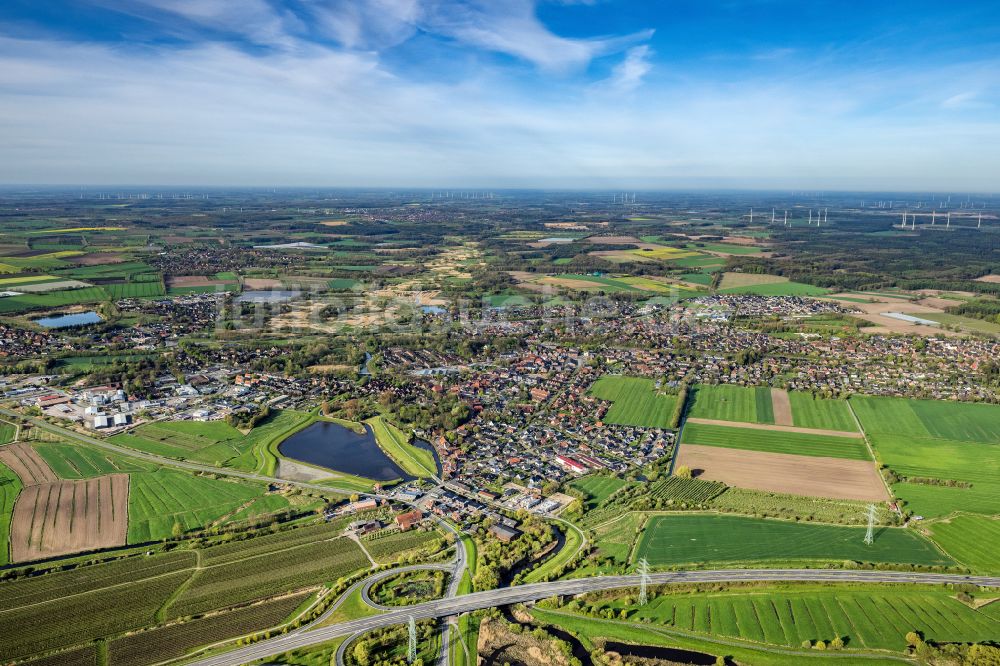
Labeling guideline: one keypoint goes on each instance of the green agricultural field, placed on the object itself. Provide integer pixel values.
(171, 642)
(121, 270)
(600, 283)
(704, 538)
(135, 290)
(733, 403)
(296, 566)
(341, 284)
(414, 460)
(704, 279)
(70, 608)
(636, 401)
(7, 431)
(207, 289)
(79, 461)
(53, 299)
(820, 413)
(872, 617)
(10, 488)
(727, 248)
(216, 442)
(972, 540)
(613, 540)
(773, 441)
(778, 289)
(969, 422)
(931, 443)
(597, 488)
(158, 501)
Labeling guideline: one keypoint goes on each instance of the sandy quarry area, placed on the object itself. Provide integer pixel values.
(783, 473)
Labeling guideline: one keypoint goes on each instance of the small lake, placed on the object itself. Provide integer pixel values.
(433, 309)
(335, 447)
(68, 320)
(275, 296)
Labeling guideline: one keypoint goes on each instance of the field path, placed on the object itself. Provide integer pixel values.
(782, 406)
(776, 428)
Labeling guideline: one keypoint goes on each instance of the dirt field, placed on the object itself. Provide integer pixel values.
(261, 283)
(776, 428)
(570, 226)
(782, 473)
(194, 281)
(65, 517)
(27, 464)
(989, 278)
(98, 259)
(782, 406)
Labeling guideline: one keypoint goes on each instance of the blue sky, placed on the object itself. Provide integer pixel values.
(502, 93)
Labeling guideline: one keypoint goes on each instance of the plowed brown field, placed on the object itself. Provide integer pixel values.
(782, 473)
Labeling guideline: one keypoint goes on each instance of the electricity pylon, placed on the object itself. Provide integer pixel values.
(871, 514)
(643, 581)
(411, 652)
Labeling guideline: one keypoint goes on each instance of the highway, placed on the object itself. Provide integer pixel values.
(452, 605)
(524, 593)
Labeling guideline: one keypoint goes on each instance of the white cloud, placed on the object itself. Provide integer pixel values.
(965, 100)
(628, 74)
(512, 27)
(314, 115)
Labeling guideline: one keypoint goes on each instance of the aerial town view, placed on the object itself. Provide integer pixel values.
(459, 333)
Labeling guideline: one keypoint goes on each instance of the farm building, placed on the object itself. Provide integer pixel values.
(408, 519)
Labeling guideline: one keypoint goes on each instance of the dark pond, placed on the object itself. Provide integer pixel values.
(670, 654)
(426, 446)
(335, 447)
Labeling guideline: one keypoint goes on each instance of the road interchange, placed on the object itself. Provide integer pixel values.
(453, 605)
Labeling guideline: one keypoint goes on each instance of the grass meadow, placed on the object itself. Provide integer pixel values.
(873, 617)
(597, 488)
(934, 444)
(971, 540)
(733, 403)
(704, 538)
(820, 413)
(773, 441)
(157, 500)
(636, 401)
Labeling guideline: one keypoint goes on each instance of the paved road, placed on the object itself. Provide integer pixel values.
(523, 593)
